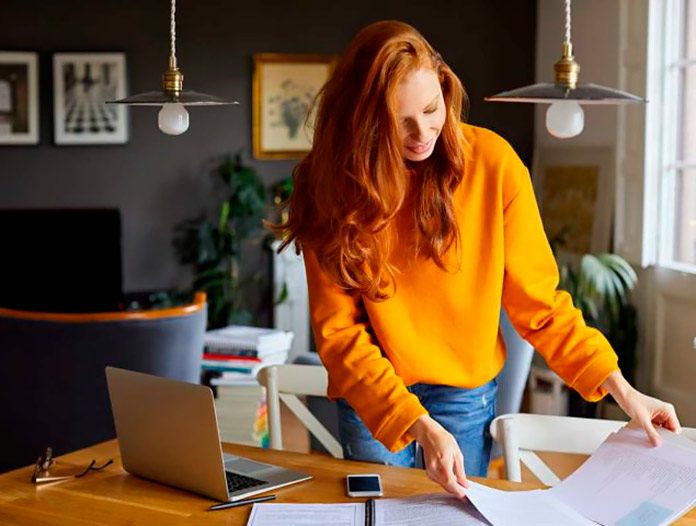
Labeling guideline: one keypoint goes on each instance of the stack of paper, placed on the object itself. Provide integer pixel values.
(626, 482)
(629, 482)
(238, 352)
(247, 341)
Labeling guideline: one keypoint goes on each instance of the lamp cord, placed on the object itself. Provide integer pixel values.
(567, 21)
(172, 30)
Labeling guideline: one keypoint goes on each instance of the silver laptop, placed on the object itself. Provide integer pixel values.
(167, 431)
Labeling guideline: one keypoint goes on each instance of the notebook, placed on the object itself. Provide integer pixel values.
(421, 510)
(168, 432)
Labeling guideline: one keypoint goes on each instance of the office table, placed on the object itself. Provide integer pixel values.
(113, 497)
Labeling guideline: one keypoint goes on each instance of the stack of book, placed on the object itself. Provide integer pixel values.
(239, 352)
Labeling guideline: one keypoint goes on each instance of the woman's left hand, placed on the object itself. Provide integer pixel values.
(647, 411)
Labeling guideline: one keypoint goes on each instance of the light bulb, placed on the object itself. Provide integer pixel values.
(173, 119)
(565, 119)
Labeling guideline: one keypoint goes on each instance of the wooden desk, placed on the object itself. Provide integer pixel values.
(114, 497)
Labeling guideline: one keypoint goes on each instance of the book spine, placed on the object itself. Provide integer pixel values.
(230, 358)
(229, 351)
(216, 365)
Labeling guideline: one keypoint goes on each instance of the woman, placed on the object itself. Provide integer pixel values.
(414, 228)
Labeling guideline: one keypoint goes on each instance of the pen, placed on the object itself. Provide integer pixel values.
(225, 505)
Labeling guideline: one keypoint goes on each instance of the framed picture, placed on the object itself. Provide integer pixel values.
(82, 83)
(19, 98)
(284, 89)
(575, 188)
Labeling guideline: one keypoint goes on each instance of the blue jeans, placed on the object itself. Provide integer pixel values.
(466, 413)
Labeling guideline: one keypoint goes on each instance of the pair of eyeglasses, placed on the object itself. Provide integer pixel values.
(46, 462)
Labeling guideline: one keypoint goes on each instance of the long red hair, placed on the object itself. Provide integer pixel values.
(348, 189)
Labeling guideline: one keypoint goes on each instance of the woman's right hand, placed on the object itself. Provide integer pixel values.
(444, 461)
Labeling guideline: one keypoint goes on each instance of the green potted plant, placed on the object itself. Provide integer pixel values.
(214, 248)
(600, 286)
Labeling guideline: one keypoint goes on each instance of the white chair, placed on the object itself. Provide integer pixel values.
(286, 382)
(521, 434)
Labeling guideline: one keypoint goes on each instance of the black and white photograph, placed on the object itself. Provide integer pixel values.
(19, 98)
(82, 83)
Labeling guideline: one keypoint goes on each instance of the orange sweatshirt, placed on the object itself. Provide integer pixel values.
(441, 327)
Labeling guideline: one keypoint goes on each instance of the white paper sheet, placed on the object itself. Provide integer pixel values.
(307, 514)
(427, 510)
(628, 482)
(522, 508)
(423, 510)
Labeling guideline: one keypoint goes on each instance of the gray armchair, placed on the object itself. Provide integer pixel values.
(513, 378)
(52, 383)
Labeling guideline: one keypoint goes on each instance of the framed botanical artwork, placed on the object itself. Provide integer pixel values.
(575, 191)
(82, 83)
(284, 89)
(19, 98)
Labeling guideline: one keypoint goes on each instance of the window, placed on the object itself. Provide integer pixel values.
(678, 217)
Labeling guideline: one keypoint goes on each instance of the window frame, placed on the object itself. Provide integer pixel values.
(667, 44)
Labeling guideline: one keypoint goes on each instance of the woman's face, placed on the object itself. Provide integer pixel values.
(421, 113)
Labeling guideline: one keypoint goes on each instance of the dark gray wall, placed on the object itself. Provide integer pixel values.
(157, 180)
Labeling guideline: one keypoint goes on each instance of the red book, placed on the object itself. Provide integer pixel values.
(227, 358)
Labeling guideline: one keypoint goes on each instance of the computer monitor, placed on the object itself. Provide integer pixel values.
(61, 260)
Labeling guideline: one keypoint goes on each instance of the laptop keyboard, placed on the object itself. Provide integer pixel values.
(236, 482)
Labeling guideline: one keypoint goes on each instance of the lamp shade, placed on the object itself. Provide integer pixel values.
(547, 93)
(186, 97)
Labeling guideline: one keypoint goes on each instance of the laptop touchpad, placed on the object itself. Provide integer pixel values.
(241, 465)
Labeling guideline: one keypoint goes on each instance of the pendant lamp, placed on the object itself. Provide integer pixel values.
(564, 117)
(173, 119)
